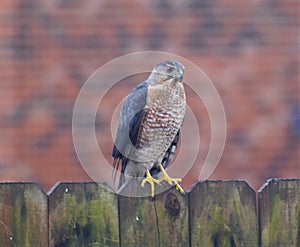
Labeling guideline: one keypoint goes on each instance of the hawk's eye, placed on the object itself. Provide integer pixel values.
(170, 69)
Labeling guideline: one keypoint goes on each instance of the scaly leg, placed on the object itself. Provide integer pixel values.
(151, 181)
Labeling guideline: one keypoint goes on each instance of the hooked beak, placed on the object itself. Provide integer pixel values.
(180, 77)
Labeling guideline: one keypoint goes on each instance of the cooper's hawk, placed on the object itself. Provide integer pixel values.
(149, 126)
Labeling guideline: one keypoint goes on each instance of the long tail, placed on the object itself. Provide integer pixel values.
(116, 164)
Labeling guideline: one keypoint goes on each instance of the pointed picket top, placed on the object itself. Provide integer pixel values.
(158, 221)
(211, 213)
(83, 214)
(223, 213)
(279, 212)
(23, 215)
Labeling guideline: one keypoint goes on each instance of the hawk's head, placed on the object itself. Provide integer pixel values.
(168, 71)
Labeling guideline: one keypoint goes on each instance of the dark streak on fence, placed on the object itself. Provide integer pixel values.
(212, 213)
(279, 213)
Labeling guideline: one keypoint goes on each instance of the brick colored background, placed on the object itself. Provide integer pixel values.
(249, 49)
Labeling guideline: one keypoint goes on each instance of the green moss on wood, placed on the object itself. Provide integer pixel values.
(223, 216)
(280, 213)
(149, 222)
(23, 215)
(84, 215)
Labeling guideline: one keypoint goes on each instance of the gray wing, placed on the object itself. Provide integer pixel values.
(129, 124)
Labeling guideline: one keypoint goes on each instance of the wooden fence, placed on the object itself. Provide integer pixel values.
(211, 214)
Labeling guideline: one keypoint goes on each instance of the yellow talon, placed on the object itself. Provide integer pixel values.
(151, 181)
(166, 177)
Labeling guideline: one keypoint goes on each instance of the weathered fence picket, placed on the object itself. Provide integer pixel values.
(23, 215)
(83, 214)
(211, 213)
(279, 213)
(146, 221)
(223, 214)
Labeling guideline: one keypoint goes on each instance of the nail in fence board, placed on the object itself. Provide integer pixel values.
(23, 215)
(223, 213)
(279, 205)
(148, 222)
(83, 214)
